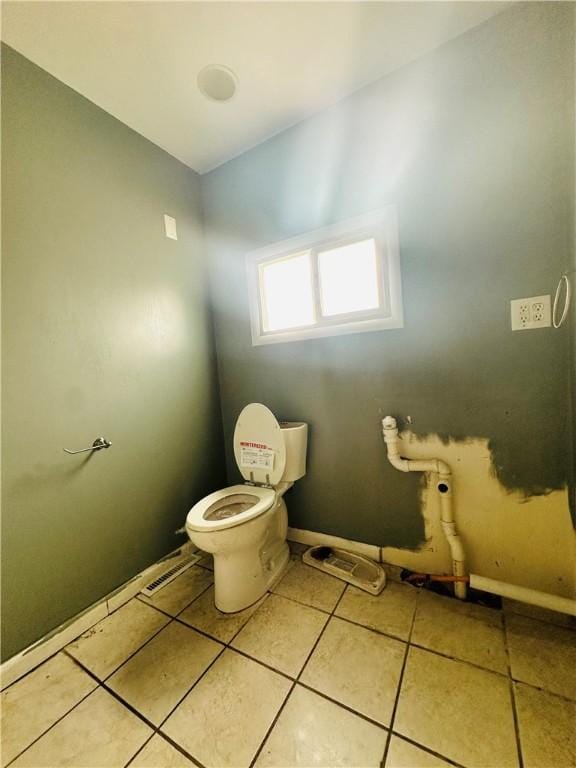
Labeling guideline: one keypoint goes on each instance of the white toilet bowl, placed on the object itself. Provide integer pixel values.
(244, 526)
(249, 543)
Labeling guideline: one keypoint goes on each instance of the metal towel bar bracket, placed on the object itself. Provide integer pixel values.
(97, 445)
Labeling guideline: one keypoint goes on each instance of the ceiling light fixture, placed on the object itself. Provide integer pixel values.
(217, 83)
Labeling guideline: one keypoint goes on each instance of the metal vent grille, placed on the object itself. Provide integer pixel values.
(168, 576)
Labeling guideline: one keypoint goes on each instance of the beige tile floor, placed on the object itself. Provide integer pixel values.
(316, 674)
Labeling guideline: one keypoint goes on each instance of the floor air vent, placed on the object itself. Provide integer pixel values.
(169, 575)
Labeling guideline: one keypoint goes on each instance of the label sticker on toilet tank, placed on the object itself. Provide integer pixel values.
(256, 455)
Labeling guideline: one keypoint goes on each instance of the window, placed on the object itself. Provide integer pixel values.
(340, 279)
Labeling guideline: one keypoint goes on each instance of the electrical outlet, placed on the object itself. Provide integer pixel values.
(527, 314)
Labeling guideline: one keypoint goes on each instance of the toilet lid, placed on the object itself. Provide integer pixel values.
(259, 445)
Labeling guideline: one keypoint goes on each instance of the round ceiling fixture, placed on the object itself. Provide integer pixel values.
(217, 83)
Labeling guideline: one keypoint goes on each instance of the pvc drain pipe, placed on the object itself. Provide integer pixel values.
(524, 595)
(444, 487)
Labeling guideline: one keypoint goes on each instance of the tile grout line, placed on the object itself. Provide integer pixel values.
(214, 639)
(423, 647)
(547, 691)
(457, 659)
(228, 645)
(348, 621)
(304, 685)
(44, 661)
(101, 682)
(135, 712)
(156, 729)
(177, 747)
(548, 622)
(512, 694)
(397, 637)
(341, 704)
(131, 656)
(299, 602)
(148, 640)
(127, 659)
(424, 748)
(296, 680)
(370, 720)
(53, 724)
(86, 670)
(225, 646)
(504, 612)
(262, 663)
(398, 690)
(36, 645)
(150, 604)
(139, 750)
(170, 741)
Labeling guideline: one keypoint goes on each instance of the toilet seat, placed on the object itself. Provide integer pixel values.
(259, 447)
(229, 507)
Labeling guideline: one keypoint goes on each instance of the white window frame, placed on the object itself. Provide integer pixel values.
(382, 226)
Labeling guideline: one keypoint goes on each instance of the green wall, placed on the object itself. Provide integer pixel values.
(473, 144)
(105, 332)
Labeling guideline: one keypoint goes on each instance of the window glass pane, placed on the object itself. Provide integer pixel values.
(286, 291)
(348, 278)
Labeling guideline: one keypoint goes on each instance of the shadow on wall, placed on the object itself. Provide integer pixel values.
(44, 476)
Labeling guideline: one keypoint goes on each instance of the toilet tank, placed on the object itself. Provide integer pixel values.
(295, 434)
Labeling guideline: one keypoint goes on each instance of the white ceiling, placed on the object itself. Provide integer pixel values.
(139, 60)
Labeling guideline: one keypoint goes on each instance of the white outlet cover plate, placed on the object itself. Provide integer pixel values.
(170, 227)
(530, 313)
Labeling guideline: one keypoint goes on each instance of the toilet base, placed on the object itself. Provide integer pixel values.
(248, 559)
(259, 574)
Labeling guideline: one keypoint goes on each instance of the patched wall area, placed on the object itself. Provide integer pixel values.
(473, 145)
(526, 540)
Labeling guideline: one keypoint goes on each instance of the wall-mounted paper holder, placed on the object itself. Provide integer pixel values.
(97, 445)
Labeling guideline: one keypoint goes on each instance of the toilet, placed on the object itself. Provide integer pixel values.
(244, 526)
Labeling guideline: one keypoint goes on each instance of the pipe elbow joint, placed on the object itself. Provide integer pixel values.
(442, 468)
(402, 464)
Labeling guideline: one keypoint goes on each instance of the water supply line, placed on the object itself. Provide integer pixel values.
(444, 487)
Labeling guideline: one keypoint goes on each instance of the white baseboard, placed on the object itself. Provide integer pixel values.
(312, 538)
(25, 661)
